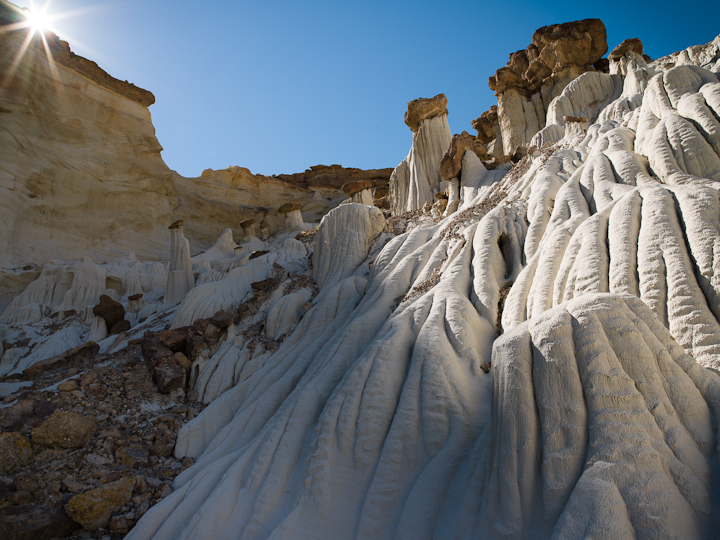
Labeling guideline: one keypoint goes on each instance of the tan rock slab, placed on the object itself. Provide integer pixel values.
(92, 509)
(65, 430)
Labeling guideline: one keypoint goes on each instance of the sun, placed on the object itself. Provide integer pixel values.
(38, 20)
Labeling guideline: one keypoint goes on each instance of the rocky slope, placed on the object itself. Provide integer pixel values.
(519, 348)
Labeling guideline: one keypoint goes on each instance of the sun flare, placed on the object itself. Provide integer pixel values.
(38, 20)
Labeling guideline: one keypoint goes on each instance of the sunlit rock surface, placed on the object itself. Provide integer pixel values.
(537, 360)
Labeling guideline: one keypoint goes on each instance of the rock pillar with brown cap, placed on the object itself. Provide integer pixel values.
(292, 220)
(359, 191)
(180, 275)
(248, 227)
(417, 178)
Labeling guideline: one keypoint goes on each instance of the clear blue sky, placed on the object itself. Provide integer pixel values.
(277, 86)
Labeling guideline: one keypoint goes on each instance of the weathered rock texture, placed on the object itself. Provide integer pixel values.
(534, 77)
(414, 182)
(80, 166)
(540, 364)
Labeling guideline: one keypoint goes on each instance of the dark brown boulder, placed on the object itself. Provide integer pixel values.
(120, 327)
(424, 108)
(154, 351)
(113, 312)
(175, 337)
(176, 224)
(289, 207)
(632, 44)
(356, 186)
(168, 377)
(452, 160)
(485, 125)
(222, 319)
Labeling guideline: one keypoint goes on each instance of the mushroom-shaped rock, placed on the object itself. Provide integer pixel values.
(180, 276)
(485, 125)
(632, 44)
(417, 177)
(452, 160)
(292, 217)
(248, 227)
(533, 77)
(264, 230)
(110, 310)
(424, 108)
(343, 241)
(359, 191)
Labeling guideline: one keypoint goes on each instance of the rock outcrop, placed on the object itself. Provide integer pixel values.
(535, 76)
(417, 178)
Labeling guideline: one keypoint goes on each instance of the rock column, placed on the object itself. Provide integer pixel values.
(180, 275)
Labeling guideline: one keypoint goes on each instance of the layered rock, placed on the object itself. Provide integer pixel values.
(87, 177)
(417, 178)
(534, 77)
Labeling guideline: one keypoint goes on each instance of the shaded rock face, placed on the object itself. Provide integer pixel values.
(533, 77)
(49, 211)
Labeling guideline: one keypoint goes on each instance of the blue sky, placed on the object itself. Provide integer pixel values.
(277, 86)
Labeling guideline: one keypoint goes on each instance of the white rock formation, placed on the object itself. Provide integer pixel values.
(343, 241)
(180, 275)
(598, 417)
(417, 178)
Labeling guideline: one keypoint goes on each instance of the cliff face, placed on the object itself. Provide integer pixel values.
(80, 166)
(81, 171)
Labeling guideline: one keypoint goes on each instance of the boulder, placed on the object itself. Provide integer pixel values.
(168, 377)
(30, 522)
(113, 312)
(64, 430)
(175, 337)
(632, 44)
(485, 125)
(15, 451)
(424, 108)
(452, 160)
(222, 319)
(120, 327)
(93, 509)
(154, 351)
(289, 207)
